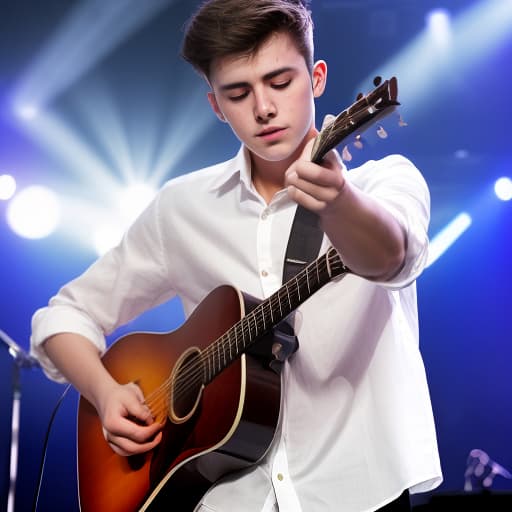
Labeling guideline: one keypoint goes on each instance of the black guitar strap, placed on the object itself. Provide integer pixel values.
(304, 242)
(303, 247)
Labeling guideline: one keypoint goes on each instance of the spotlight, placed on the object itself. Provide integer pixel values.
(7, 187)
(439, 26)
(447, 236)
(34, 212)
(503, 189)
(27, 112)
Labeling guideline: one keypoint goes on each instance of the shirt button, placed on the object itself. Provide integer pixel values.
(264, 273)
(280, 477)
(264, 215)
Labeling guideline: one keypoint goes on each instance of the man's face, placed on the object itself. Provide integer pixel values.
(268, 98)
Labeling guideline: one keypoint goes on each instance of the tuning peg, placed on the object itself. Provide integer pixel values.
(401, 122)
(359, 96)
(345, 154)
(377, 81)
(358, 142)
(383, 134)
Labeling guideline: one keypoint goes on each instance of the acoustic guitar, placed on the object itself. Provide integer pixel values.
(212, 382)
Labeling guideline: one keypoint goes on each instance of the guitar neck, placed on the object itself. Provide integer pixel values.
(268, 313)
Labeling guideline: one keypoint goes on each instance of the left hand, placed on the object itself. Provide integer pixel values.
(316, 187)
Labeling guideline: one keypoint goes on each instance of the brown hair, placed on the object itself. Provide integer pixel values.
(227, 27)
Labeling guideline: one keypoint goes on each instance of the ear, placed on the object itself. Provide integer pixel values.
(319, 78)
(215, 106)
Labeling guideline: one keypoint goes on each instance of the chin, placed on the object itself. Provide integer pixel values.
(276, 153)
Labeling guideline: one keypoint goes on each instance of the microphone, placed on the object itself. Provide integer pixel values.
(20, 356)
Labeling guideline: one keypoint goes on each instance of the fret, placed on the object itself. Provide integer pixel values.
(298, 287)
(307, 281)
(262, 314)
(217, 354)
(279, 301)
(223, 346)
(210, 373)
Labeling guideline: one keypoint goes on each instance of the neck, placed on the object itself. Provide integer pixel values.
(268, 177)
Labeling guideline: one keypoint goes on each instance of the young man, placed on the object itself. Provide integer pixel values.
(356, 431)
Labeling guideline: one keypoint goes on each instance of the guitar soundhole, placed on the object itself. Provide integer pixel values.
(187, 384)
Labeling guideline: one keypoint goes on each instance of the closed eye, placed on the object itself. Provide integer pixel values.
(239, 97)
(281, 85)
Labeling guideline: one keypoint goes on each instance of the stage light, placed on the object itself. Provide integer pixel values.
(447, 237)
(27, 112)
(503, 188)
(471, 41)
(439, 26)
(34, 212)
(91, 31)
(7, 187)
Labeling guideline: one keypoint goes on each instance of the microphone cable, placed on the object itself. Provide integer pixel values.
(45, 448)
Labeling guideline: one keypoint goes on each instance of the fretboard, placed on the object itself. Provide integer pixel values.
(268, 313)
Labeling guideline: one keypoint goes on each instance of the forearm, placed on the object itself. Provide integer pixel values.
(80, 363)
(369, 239)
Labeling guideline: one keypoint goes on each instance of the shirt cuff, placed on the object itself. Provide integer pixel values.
(48, 321)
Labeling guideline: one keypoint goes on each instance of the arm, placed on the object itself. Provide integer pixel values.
(371, 242)
(117, 405)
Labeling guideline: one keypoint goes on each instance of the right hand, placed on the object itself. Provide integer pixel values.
(128, 424)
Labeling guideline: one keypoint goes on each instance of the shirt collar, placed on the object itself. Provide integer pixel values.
(237, 170)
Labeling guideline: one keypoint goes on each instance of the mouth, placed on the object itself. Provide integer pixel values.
(271, 133)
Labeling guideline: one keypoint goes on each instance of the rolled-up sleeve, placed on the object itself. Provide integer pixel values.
(55, 319)
(400, 188)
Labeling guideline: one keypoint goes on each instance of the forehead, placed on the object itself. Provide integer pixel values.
(276, 52)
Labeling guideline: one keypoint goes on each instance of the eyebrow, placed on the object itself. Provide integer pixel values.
(266, 78)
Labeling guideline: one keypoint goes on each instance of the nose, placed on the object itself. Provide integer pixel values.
(264, 107)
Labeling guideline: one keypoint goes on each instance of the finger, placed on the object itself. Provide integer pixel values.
(138, 409)
(126, 447)
(133, 438)
(306, 200)
(306, 172)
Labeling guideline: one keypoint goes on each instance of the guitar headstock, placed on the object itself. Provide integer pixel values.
(365, 111)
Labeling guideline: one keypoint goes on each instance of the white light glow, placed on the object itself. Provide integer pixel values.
(447, 237)
(134, 199)
(503, 189)
(439, 27)
(471, 41)
(27, 112)
(106, 237)
(34, 212)
(7, 187)
(91, 31)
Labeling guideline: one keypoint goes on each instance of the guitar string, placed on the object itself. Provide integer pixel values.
(215, 350)
(190, 377)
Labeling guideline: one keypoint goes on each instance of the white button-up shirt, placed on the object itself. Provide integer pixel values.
(356, 425)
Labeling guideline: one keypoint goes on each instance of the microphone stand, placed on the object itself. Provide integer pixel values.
(21, 360)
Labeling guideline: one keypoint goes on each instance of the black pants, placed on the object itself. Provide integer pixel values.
(401, 504)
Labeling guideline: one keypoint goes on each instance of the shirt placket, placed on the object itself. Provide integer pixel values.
(270, 280)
